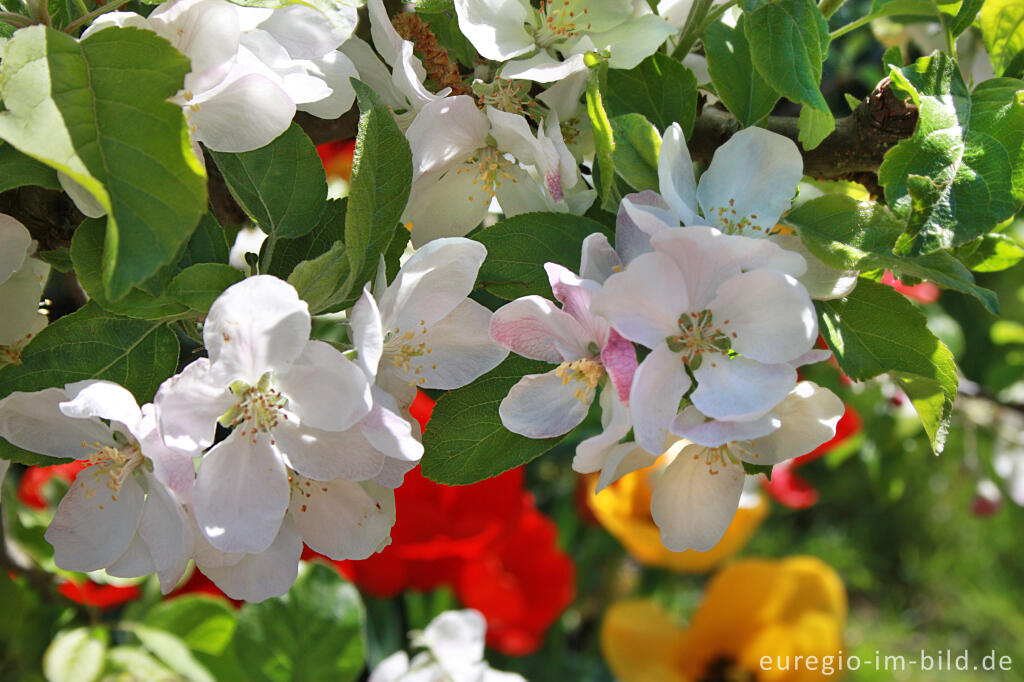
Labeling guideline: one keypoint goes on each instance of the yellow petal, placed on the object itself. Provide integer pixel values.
(641, 643)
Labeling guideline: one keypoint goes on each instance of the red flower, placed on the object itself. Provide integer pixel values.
(337, 158)
(925, 292)
(32, 487)
(789, 488)
(102, 596)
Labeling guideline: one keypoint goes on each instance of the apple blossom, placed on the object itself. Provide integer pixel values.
(289, 401)
(723, 308)
(21, 285)
(123, 512)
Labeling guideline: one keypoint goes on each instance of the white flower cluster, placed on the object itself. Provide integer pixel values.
(295, 441)
(701, 279)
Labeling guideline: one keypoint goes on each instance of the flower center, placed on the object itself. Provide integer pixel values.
(115, 464)
(259, 407)
(725, 669)
(558, 22)
(728, 220)
(489, 165)
(585, 371)
(512, 96)
(402, 349)
(698, 336)
(718, 459)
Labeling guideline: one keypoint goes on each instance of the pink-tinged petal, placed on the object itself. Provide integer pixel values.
(545, 406)
(241, 493)
(256, 326)
(575, 295)
(659, 383)
(598, 260)
(189, 405)
(694, 500)
(388, 431)
(94, 524)
(536, 328)
(676, 178)
(644, 302)
(392, 474)
(619, 359)
(714, 433)
(809, 415)
(739, 389)
(703, 256)
(256, 577)
(768, 316)
(34, 422)
(103, 399)
(327, 390)
(641, 215)
(327, 455)
(367, 333)
(343, 520)
(453, 352)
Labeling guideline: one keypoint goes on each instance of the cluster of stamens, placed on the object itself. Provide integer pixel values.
(585, 371)
(258, 411)
(729, 220)
(490, 170)
(718, 459)
(116, 464)
(699, 336)
(558, 22)
(401, 348)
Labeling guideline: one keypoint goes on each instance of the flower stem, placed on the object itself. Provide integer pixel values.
(852, 26)
(16, 20)
(85, 19)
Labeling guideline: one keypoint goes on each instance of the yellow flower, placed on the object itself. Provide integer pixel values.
(754, 611)
(624, 509)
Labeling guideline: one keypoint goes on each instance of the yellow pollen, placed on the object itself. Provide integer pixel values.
(585, 370)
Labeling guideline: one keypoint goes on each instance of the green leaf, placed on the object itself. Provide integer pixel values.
(968, 150)
(993, 252)
(604, 138)
(859, 235)
(288, 253)
(314, 632)
(92, 343)
(518, 247)
(465, 441)
(660, 88)
(207, 627)
(965, 16)
(87, 257)
(321, 282)
(874, 331)
(137, 664)
(207, 244)
(281, 186)
(755, 469)
(381, 178)
(637, 144)
(18, 170)
(199, 285)
(59, 258)
(788, 43)
(1002, 27)
(747, 96)
(173, 652)
(76, 655)
(71, 107)
(888, 8)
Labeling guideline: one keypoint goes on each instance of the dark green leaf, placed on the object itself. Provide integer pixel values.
(58, 258)
(288, 253)
(199, 285)
(18, 170)
(660, 88)
(206, 245)
(965, 16)
(747, 96)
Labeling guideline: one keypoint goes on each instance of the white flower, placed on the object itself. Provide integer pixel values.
(122, 513)
(696, 496)
(584, 346)
(248, 240)
(454, 652)
(21, 285)
(289, 400)
(609, 452)
(727, 309)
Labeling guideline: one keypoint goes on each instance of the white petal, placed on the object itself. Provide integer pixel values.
(645, 301)
(768, 314)
(14, 244)
(436, 279)
(823, 283)
(751, 181)
(658, 385)
(455, 638)
(245, 112)
(167, 533)
(256, 326)
(171, 468)
(83, 198)
(543, 68)
(563, 96)
(445, 204)
(341, 519)
(392, 474)
(641, 215)
(739, 388)
(303, 31)
(335, 69)
(327, 390)
(809, 416)
(367, 333)
(576, 295)
(536, 328)
(514, 136)
(456, 350)
(326, 455)
(811, 357)
(189, 405)
(676, 177)
(692, 505)
(598, 261)
(34, 422)
(116, 20)
(94, 524)
(261, 576)
(391, 669)
(19, 301)
(449, 129)
(752, 253)
(633, 41)
(103, 399)
(497, 28)
(241, 494)
(134, 562)
(205, 31)
(373, 72)
(385, 37)
(387, 430)
(407, 78)
(704, 257)
(714, 433)
(542, 406)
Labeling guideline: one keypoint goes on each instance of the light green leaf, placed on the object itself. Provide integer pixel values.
(637, 144)
(465, 441)
(518, 247)
(281, 186)
(138, 665)
(747, 96)
(660, 88)
(207, 627)
(199, 285)
(992, 253)
(173, 652)
(314, 632)
(888, 8)
(76, 655)
(69, 107)
(18, 170)
(968, 150)
(859, 235)
(381, 178)
(1002, 27)
(604, 138)
(875, 330)
(965, 16)
(788, 43)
